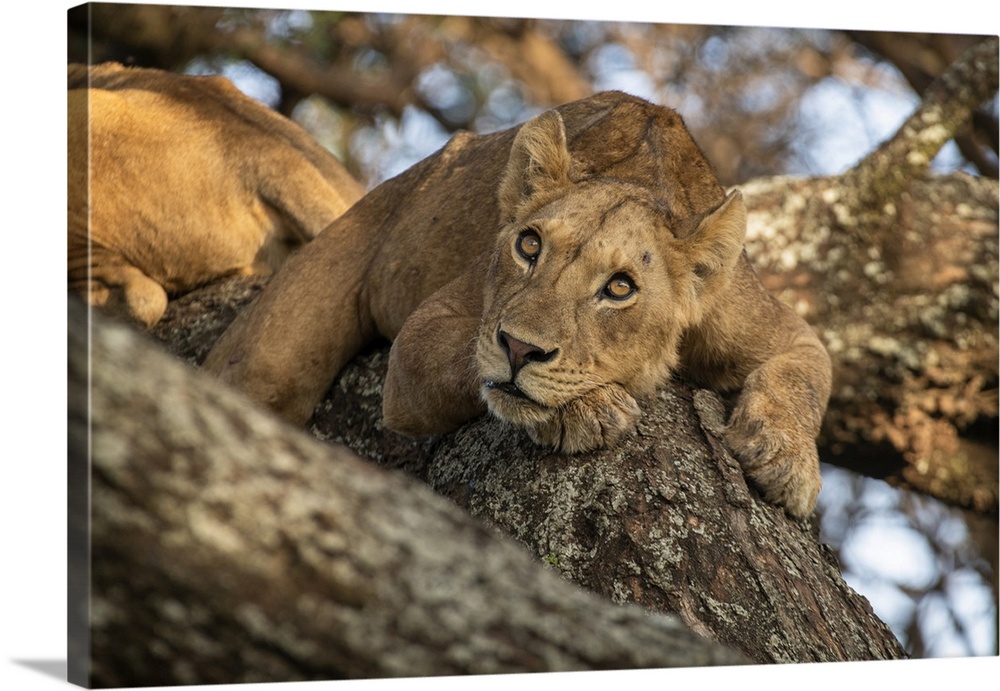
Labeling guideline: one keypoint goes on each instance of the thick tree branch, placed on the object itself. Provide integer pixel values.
(664, 519)
(227, 546)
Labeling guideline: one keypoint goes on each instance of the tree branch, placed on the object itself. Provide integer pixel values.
(946, 109)
(921, 58)
(665, 519)
(229, 547)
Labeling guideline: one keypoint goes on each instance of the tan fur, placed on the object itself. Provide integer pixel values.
(178, 180)
(607, 192)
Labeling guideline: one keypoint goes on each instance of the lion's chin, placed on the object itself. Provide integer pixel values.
(511, 404)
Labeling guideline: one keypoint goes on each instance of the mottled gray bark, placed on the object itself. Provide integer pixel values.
(228, 547)
(665, 519)
(897, 271)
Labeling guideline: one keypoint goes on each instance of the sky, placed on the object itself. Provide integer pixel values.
(33, 519)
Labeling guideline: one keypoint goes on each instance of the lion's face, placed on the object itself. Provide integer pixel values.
(589, 284)
(591, 289)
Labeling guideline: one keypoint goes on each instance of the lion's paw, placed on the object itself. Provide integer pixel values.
(595, 420)
(776, 451)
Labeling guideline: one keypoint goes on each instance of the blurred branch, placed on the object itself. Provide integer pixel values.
(945, 110)
(921, 58)
(161, 36)
(539, 63)
(169, 37)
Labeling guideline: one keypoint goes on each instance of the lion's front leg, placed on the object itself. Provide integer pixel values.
(773, 428)
(431, 386)
(596, 420)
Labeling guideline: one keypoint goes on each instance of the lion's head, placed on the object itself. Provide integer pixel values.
(593, 281)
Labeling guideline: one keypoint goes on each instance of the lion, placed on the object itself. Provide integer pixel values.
(553, 274)
(177, 180)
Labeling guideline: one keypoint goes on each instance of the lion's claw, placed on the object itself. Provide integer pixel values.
(777, 453)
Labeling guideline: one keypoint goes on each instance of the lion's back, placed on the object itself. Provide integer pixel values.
(186, 179)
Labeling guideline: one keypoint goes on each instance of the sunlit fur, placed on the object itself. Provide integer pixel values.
(177, 180)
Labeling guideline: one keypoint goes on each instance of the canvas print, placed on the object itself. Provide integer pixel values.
(422, 346)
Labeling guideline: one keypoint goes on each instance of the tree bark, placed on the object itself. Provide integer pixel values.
(912, 335)
(897, 271)
(227, 547)
(665, 519)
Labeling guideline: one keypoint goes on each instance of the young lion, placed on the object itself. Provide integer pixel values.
(551, 274)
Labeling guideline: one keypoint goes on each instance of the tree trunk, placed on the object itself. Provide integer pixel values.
(229, 547)
(665, 519)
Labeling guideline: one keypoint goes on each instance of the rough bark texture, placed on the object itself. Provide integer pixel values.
(913, 335)
(897, 271)
(228, 547)
(665, 519)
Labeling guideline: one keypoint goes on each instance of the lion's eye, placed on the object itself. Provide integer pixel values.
(620, 287)
(529, 245)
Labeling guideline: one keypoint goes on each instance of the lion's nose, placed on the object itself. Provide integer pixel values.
(520, 353)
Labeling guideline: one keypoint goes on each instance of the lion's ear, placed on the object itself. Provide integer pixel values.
(717, 242)
(539, 161)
